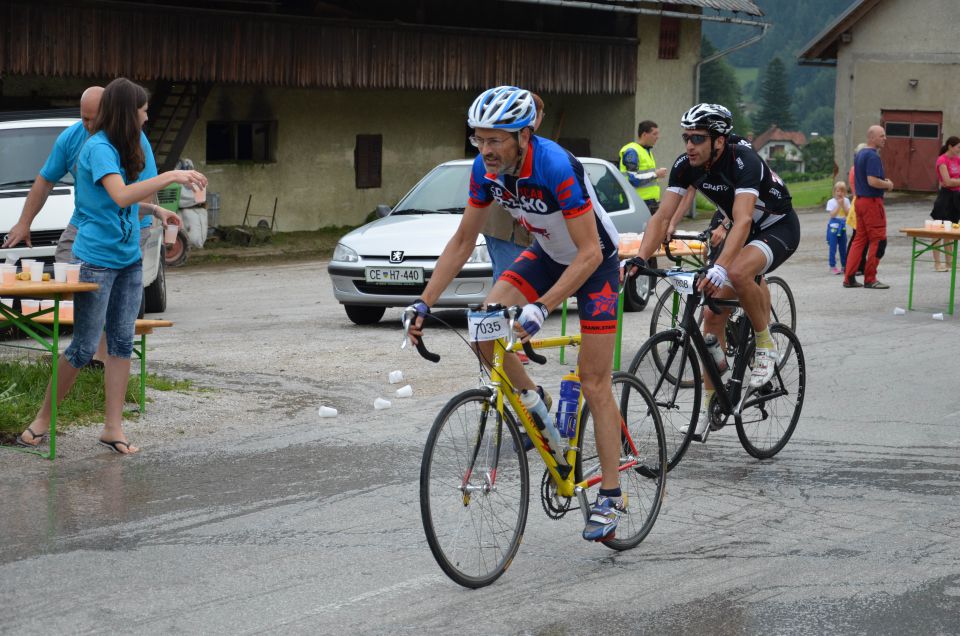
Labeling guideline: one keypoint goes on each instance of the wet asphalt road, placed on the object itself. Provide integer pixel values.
(246, 513)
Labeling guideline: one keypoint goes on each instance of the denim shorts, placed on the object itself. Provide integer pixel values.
(112, 308)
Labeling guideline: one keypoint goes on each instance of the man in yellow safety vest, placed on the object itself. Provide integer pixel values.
(639, 166)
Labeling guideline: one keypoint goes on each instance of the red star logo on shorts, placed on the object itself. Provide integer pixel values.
(604, 301)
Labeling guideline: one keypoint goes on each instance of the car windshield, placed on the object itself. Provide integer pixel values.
(24, 151)
(445, 190)
(441, 192)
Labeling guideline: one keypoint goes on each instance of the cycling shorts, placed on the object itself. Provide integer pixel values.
(533, 273)
(778, 242)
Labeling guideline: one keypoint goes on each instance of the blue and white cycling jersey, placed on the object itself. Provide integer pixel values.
(550, 188)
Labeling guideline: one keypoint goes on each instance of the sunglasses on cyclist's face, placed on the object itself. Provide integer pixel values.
(696, 139)
(493, 143)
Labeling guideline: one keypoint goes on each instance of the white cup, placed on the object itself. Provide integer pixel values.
(46, 304)
(405, 391)
(36, 271)
(328, 411)
(899, 311)
(8, 274)
(7, 302)
(395, 377)
(938, 316)
(928, 224)
(29, 306)
(947, 225)
(381, 404)
(170, 234)
(73, 272)
(66, 310)
(60, 272)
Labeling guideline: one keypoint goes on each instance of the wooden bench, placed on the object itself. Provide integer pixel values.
(143, 328)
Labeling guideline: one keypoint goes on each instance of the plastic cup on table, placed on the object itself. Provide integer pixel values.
(66, 310)
(46, 304)
(7, 302)
(948, 226)
(170, 234)
(60, 272)
(36, 271)
(73, 272)
(8, 274)
(29, 306)
(928, 224)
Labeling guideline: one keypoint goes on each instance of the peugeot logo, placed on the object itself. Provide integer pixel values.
(396, 256)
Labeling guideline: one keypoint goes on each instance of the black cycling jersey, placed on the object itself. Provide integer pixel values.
(738, 169)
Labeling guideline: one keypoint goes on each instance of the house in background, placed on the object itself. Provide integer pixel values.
(897, 65)
(774, 143)
(334, 107)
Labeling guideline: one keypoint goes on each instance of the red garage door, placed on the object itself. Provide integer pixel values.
(913, 141)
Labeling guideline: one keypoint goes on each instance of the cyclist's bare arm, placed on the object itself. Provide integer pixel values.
(37, 197)
(656, 232)
(685, 203)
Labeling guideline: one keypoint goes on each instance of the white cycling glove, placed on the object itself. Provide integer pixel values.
(717, 275)
(532, 317)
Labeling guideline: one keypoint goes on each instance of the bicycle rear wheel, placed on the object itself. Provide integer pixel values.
(673, 378)
(474, 488)
(643, 485)
(770, 413)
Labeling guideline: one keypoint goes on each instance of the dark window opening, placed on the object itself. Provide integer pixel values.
(367, 161)
(578, 146)
(254, 141)
(669, 38)
(926, 131)
(897, 129)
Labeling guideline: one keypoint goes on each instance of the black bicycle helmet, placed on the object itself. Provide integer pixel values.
(712, 117)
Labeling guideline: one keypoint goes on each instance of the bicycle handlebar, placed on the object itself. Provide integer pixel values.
(409, 315)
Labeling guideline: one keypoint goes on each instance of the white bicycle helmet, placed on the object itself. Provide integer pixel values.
(713, 117)
(504, 107)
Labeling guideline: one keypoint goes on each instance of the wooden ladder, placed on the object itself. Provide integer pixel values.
(174, 109)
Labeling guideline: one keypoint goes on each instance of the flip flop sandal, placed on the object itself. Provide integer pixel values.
(114, 446)
(37, 438)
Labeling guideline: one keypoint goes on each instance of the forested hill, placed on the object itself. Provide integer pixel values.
(793, 25)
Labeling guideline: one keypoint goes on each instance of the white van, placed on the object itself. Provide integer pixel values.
(25, 144)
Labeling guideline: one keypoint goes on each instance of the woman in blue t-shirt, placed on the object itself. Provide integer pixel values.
(108, 245)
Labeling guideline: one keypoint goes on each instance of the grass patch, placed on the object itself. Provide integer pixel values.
(811, 194)
(23, 385)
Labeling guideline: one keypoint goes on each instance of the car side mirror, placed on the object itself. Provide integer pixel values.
(382, 210)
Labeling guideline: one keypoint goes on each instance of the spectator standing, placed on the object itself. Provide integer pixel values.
(837, 207)
(110, 180)
(870, 185)
(639, 166)
(947, 205)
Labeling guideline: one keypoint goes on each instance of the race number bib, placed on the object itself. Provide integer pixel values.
(682, 281)
(487, 325)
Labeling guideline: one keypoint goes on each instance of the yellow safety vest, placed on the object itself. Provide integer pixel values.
(646, 164)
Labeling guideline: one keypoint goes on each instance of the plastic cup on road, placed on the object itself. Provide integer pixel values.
(73, 272)
(170, 234)
(381, 404)
(938, 316)
(60, 272)
(36, 271)
(899, 311)
(328, 411)
(405, 391)
(396, 377)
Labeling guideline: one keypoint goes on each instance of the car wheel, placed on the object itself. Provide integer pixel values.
(364, 315)
(155, 294)
(176, 255)
(637, 292)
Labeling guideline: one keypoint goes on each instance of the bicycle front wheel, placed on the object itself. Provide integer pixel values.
(672, 375)
(770, 413)
(783, 308)
(643, 484)
(668, 311)
(474, 488)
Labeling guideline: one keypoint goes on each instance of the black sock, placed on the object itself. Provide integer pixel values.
(611, 492)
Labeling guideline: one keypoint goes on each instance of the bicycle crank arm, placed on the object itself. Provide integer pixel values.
(581, 493)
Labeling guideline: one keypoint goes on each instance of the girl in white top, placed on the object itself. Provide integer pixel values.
(837, 207)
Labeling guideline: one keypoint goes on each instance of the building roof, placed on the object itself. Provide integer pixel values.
(822, 50)
(740, 6)
(773, 133)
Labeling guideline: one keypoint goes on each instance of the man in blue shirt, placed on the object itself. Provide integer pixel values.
(870, 186)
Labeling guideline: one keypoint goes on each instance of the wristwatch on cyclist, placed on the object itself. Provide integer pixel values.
(726, 224)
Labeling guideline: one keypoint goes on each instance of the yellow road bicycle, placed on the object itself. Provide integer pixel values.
(474, 476)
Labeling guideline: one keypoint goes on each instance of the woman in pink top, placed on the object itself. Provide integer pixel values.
(947, 205)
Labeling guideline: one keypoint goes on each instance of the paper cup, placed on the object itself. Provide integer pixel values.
(938, 316)
(66, 310)
(73, 272)
(46, 304)
(36, 272)
(7, 302)
(396, 377)
(899, 311)
(947, 225)
(381, 404)
(328, 411)
(928, 224)
(60, 272)
(28, 306)
(8, 274)
(405, 391)
(170, 234)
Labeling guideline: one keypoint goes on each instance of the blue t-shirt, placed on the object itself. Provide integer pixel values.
(867, 164)
(66, 150)
(108, 235)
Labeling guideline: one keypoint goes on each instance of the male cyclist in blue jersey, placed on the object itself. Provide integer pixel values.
(757, 224)
(545, 188)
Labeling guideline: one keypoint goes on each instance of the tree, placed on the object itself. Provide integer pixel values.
(719, 85)
(818, 155)
(775, 98)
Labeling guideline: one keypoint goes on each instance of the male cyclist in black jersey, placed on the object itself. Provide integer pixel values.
(759, 228)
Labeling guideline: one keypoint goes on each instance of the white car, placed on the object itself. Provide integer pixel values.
(25, 144)
(387, 263)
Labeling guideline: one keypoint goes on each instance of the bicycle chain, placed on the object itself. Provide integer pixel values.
(555, 506)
